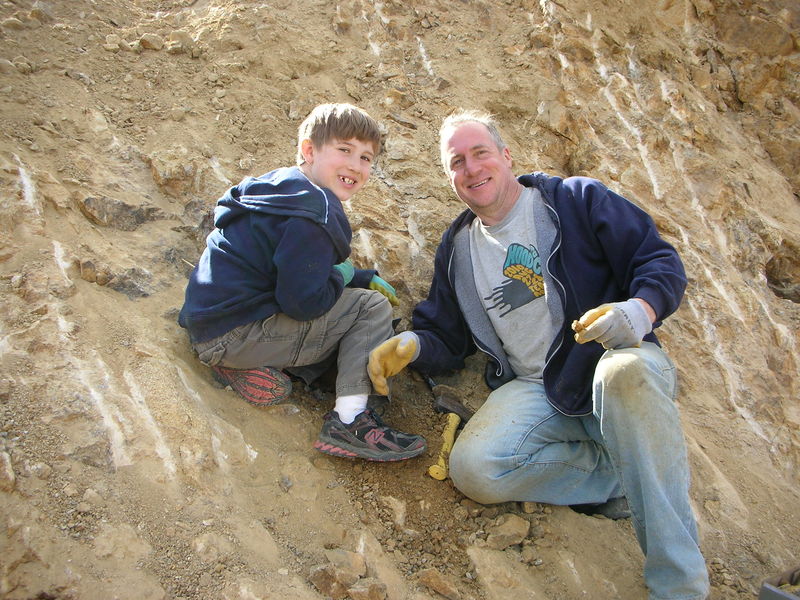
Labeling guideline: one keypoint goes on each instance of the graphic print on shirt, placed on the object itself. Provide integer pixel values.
(525, 283)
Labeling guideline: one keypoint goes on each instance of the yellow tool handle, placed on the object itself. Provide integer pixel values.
(439, 470)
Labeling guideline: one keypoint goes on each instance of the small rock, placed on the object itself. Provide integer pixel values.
(151, 41)
(509, 529)
(324, 578)
(88, 271)
(42, 470)
(23, 65)
(92, 497)
(398, 509)
(439, 583)
(473, 508)
(347, 561)
(528, 555)
(7, 478)
(12, 23)
(368, 589)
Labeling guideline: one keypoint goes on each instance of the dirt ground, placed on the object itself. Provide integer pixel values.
(127, 472)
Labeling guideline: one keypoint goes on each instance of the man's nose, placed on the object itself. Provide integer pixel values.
(470, 165)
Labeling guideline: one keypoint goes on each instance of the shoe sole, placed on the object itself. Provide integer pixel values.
(366, 454)
(269, 389)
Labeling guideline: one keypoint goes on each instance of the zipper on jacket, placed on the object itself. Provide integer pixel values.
(550, 355)
(557, 247)
(477, 343)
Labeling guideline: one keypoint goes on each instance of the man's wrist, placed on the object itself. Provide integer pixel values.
(651, 314)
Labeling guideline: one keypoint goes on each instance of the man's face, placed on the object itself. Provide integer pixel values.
(341, 166)
(479, 172)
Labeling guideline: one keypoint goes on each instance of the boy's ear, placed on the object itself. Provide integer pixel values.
(307, 149)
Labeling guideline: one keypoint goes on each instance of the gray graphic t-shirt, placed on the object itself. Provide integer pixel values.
(508, 275)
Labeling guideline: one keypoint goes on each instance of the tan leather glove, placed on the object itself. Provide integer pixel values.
(390, 358)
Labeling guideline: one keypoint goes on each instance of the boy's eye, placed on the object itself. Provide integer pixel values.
(367, 158)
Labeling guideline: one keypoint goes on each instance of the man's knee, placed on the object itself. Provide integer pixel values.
(472, 472)
(620, 367)
(635, 378)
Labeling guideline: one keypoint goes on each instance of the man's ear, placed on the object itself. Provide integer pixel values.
(507, 156)
(307, 150)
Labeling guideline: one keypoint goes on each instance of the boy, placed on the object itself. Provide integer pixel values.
(274, 288)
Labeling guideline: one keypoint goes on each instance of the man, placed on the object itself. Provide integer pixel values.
(560, 282)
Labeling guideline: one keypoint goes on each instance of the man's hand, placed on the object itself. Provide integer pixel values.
(347, 270)
(382, 286)
(390, 358)
(615, 325)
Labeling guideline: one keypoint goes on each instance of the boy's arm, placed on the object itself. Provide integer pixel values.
(307, 286)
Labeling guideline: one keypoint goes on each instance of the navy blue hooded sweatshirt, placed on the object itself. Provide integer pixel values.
(276, 240)
(605, 249)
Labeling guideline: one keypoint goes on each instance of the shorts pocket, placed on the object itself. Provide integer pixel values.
(212, 355)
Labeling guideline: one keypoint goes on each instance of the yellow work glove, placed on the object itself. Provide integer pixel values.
(615, 325)
(390, 358)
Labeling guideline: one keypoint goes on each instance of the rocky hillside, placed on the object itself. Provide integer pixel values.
(125, 472)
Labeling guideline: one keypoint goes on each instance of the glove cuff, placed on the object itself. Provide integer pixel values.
(410, 336)
(639, 318)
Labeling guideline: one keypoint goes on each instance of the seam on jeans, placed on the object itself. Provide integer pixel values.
(530, 430)
(520, 458)
(548, 463)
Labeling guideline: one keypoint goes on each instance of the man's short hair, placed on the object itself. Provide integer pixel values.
(328, 122)
(468, 116)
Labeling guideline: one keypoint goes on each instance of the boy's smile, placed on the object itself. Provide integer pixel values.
(342, 166)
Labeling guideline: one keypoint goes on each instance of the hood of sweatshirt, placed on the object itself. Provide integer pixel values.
(287, 192)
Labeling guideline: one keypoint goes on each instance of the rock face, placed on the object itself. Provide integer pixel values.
(126, 472)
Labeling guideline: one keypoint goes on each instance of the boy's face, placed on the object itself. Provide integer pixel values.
(342, 166)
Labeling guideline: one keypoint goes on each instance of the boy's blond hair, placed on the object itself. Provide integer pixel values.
(468, 116)
(328, 122)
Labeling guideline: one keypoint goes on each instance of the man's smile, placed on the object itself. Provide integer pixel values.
(479, 184)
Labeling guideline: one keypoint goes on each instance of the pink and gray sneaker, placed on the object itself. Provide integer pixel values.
(367, 437)
(262, 386)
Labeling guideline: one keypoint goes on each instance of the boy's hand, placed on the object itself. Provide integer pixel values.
(390, 358)
(382, 286)
(347, 270)
(615, 325)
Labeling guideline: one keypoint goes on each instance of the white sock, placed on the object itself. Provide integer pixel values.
(348, 407)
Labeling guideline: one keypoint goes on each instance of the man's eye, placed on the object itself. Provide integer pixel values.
(457, 162)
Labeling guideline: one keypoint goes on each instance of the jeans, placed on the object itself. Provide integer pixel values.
(517, 447)
(359, 321)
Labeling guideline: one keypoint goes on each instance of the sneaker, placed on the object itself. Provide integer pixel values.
(368, 438)
(616, 508)
(262, 386)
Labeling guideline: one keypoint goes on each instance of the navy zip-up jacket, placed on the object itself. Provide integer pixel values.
(275, 242)
(605, 249)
